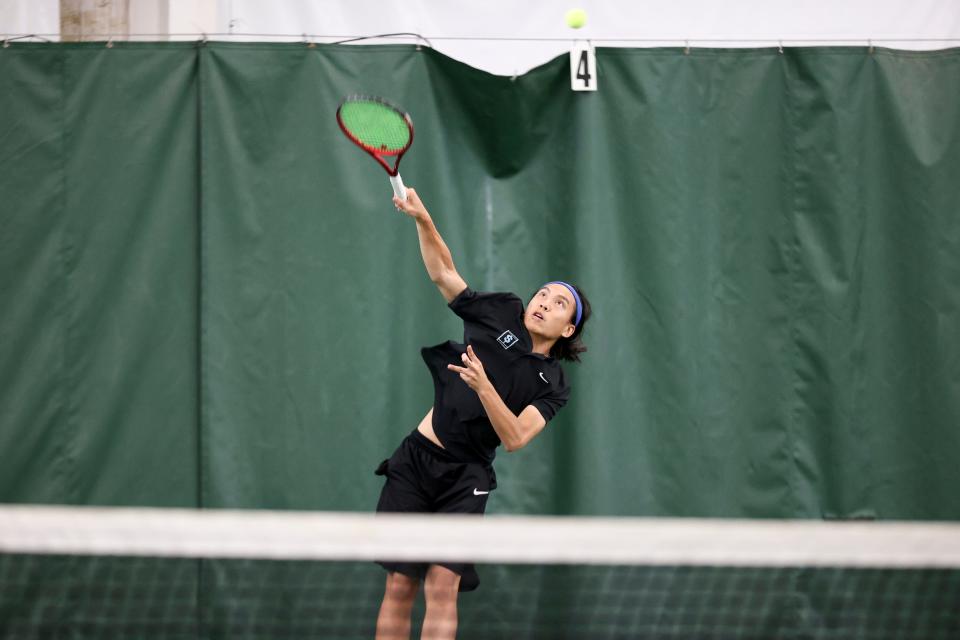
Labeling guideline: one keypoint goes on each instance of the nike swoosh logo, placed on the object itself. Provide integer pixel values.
(480, 493)
(544, 379)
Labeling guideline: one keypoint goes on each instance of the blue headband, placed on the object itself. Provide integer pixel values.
(576, 297)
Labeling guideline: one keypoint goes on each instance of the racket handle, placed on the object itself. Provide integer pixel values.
(398, 189)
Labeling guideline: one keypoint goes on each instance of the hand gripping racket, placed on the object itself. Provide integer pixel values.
(380, 129)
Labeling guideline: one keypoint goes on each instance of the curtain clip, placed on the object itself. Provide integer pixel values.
(780, 46)
(686, 47)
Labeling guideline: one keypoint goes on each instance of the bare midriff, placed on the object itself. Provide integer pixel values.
(426, 428)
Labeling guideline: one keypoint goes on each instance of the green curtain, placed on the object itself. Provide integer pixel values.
(207, 299)
(99, 275)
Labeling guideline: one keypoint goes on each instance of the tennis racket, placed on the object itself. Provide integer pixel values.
(379, 128)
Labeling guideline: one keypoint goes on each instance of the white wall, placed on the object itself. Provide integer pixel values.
(762, 22)
(29, 16)
(194, 16)
(758, 22)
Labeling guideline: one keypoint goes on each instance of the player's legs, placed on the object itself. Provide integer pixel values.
(440, 589)
(393, 622)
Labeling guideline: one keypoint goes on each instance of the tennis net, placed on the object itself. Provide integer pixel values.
(76, 572)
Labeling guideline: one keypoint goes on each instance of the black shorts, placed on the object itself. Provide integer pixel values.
(422, 478)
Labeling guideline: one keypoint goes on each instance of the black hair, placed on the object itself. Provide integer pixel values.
(569, 349)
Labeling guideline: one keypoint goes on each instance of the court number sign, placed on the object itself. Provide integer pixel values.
(583, 68)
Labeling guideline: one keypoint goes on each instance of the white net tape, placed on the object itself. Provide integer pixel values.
(502, 539)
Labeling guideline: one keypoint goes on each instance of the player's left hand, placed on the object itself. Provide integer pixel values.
(472, 372)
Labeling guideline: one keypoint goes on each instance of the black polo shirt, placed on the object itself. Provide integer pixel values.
(493, 325)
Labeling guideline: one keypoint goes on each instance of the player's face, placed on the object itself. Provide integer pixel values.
(550, 313)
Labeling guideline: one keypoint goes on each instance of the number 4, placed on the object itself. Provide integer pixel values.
(583, 68)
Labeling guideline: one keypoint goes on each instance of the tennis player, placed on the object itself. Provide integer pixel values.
(501, 386)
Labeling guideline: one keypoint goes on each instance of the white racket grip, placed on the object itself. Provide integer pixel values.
(398, 189)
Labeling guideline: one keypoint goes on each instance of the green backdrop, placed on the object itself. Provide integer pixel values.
(207, 299)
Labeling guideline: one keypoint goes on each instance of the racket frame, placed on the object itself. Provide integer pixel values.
(378, 154)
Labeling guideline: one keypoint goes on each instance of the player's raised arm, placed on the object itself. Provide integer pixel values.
(436, 255)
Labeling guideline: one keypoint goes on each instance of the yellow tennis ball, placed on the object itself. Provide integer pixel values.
(576, 18)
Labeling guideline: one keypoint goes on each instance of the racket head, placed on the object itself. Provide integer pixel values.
(378, 127)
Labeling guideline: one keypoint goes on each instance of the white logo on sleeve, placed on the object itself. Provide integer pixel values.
(507, 339)
(477, 492)
(542, 377)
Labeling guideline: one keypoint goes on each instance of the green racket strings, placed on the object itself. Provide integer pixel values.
(375, 125)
